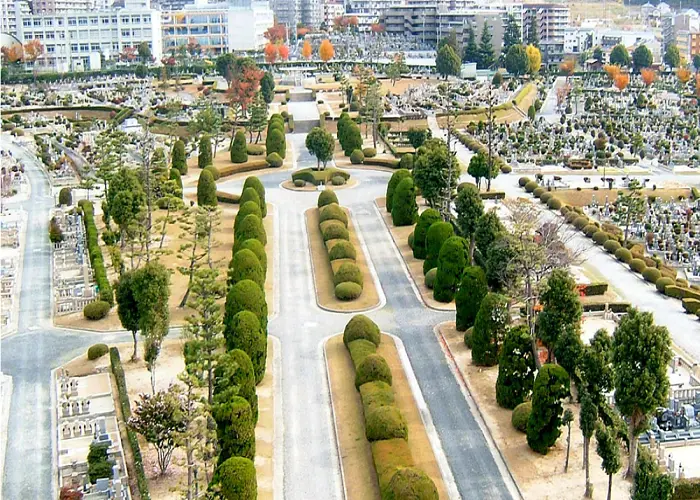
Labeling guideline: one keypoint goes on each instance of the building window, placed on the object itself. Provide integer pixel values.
(95, 47)
(72, 21)
(125, 20)
(94, 21)
(82, 21)
(29, 36)
(39, 36)
(37, 22)
(48, 22)
(105, 20)
(50, 35)
(73, 35)
(135, 19)
(146, 19)
(74, 47)
(114, 20)
(126, 33)
(84, 47)
(59, 21)
(50, 49)
(61, 35)
(26, 23)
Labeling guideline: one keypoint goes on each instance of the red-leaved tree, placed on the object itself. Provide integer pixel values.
(244, 85)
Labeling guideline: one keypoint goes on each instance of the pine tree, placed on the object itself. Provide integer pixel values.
(258, 117)
(486, 57)
(511, 34)
(471, 49)
(533, 35)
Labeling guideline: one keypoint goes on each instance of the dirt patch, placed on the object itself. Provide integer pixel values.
(356, 455)
(584, 197)
(323, 272)
(537, 476)
(288, 184)
(415, 266)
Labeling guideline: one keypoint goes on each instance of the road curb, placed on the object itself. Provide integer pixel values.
(278, 429)
(324, 342)
(501, 463)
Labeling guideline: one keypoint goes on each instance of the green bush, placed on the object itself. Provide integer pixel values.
(611, 246)
(531, 186)
(369, 152)
(361, 327)
(206, 190)
(179, 157)
(246, 295)
(516, 368)
(335, 230)
(546, 196)
(544, 424)
(326, 197)
(275, 143)
(674, 291)
(691, 305)
(426, 219)
(452, 259)
(337, 180)
(523, 181)
(250, 195)
(236, 479)
(357, 157)
(213, 171)
(96, 310)
(205, 157)
(539, 191)
(376, 394)
(359, 349)
(235, 428)
(254, 182)
(411, 239)
(489, 328)
(258, 249)
(581, 222)
(246, 209)
(404, 209)
(251, 227)
(95, 253)
(662, 283)
(348, 272)
(554, 203)
(239, 151)
(571, 217)
(472, 290)
(348, 291)
(686, 489)
(243, 331)
(255, 149)
(385, 422)
(637, 265)
(651, 274)
(65, 196)
(595, 288)
(390, 456)
(274, 160)
(520, 416)
(394, 181)
(430, 278)
(590, 229)
(97, 351)
(437, 234)
(623, 255)
(406, 161)
(246, 266)
(342, 250)
(373, 368)
(333, 212)
(234, 375)
(299, 183)
(411, 483)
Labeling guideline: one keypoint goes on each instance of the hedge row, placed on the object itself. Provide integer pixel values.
(546, 197)
(597, 288)
(333, 224)
(118, 372)
(686, 489)
(382, 162)
(238, 168)
(95, 253)
(475, 146)
(224, 197)
(385, 426)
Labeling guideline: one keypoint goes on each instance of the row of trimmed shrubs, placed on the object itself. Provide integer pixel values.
(476, 146)
(385, 426)
(98, 309)
(118, 372)
(333, 224)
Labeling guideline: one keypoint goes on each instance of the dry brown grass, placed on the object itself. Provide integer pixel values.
(584, 197)
(415, 266)
(323, 271)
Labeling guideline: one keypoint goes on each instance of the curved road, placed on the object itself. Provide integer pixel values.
(311, 464)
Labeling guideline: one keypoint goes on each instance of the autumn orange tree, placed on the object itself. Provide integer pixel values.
(271, 52)
(377, 28)
(697, 85)
(245, 83)
(306, 50)
(302, 32)
(326, 50)
(283, 52)
(12, 56)
(612, 70)
(683, 75)
(648, 76)
(33, 50)
(621, 81)
(567, 67)
(276, 33)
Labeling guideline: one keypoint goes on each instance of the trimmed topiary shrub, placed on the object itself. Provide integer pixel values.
(234, 375)
(251, 227)
(97, 351)
(335, 230)
(65, 196)
(369, 152)
(411, 483)
(546, 196)
(274, 160)
(426, 219)
(254, 182)
(235, 428)
(258, 249)
(411, 239)
(206, 190)
(96, 310)
(357, 157)
(590, 229)
(516, 368)
(179, 157)
(348, 291)
(637, 265)
(581, 222)
(243, 331)
(246, 295)
(523, 181)
(662, 283)
(623, 255)
(348, 272)
(674, 291)
(544, 424)
(531, 186)
(691, 306)
(361, 327)
(373, 368)
(333, 212)
(275, 143)
(213, 171)
(600, 237)
(326, 197)
(299, 183)
(554, 203)
(472, 290)
(204, 147)
(520, 416)
(406, 161)
(611, 246)
(359, 349)
(250, 194)
(539, 191)
(237, 479)
(453, 258)
(651, 274)
(385, 422)
(255, 149)
(337, 180)
(404, 210)
(394, 181)
(246, 266)
(376, 394)
(239, 152)
(489, 328)
(342, 250)
(246, 209)
(430, 278)
(438, 233)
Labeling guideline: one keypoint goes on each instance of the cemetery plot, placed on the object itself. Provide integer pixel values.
(12, 227)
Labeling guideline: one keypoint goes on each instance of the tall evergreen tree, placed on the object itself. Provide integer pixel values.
(511, 34)
(471, 49)
(533, 35)
(486, 57)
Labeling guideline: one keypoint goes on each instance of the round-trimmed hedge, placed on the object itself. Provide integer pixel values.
(246, 266)
(258, 249)
(580, 222)
(554, 203)
(411, 483)
(520, 416)
(255, 183)
(326, 197)
(539, 192)
(682, 282)
(213, 171)
(468, 337)
(385, 422)
(247, 208)
(97, 351)
(590, 229)
(651, 274)
(96, 310)
(299, 183)
(335, 230)
(430, 278)
(237, 479)
(246, 295)
(338, 180)
(250, 194)
(531, 186)
(637, 265)
(348, 291)
(255, 149)
(437, 234)
(348, 272)
(243, 331)
(373, 368)
(571, 217)
(357, 157)
(425, 220)
(623, 255)
(361, 327)
(600, 237)
(612, 246)
(234, 374)
(404, 210)
(376, 394)
(546, 196)
(251, 227)
(411, 239)
(394, 181)
(369, 152)
(523, 181)
(342, 250)
(662, 283)
(333, 212)
(274, 160)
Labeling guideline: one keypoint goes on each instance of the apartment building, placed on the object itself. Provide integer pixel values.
(683, 30)
(577, 39)
(292, 12)
(10, 10)
(78, 40)
(550, 21)
(369, 12)
(218, 28)
(331, 10)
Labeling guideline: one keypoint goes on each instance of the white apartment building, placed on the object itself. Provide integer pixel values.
(218, 28)
(58, 6)
(9, 9)
(331, 10)
(550, 21)
(577, 39)
(77, 41)
(369, 12)
(292, 12)
(683, 30)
